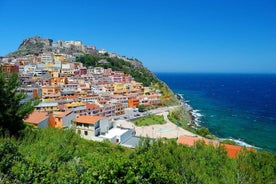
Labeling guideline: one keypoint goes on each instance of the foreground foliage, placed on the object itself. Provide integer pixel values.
(12, 110)
(60, 156)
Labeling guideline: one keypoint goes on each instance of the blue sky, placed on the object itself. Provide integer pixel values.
(167, 36)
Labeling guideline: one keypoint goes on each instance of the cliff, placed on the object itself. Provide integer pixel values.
(34, 45)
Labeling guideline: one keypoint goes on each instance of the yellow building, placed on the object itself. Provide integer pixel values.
(119, 86)
(47, 106)
(60, 57)
(47, 90)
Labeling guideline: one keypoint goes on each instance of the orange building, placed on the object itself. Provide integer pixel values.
(133, 102)
(58, 81)
(63, 119)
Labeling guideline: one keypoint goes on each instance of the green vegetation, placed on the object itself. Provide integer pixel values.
(61, 156)
(168, 98)
(141, 108)
(227, 141)
(179, 117)
(28, 49)
(149, 120)
(182, 118)
(12, 111)
(204, 132)
(134, 68)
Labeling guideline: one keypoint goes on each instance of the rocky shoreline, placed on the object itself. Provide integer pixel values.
(193, 114)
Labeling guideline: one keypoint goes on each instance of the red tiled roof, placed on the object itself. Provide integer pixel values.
(91, 106)
(36, 117)
(88, 119)
(62, 113)
(70, 96)
(191, 140)
(234, 150)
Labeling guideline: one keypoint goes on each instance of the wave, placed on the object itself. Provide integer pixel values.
(242, 143)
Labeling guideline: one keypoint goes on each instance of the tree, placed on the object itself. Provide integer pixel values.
(203, 131)
(12, 110)
(141, 108)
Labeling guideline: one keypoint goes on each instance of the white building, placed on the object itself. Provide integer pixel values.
(118, 135)
(46, 58)
(90, 127)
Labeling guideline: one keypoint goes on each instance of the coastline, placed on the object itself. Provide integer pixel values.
(195, 122)
(193, 114)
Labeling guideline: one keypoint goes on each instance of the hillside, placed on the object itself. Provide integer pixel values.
(93, 58)
(33, 45)
(60, 156)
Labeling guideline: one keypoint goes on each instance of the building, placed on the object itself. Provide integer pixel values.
(90, 127)
(78, 108)
(47, 90)
(38, 119)
(118, 135)
(133, 102)
(46, 58)
(47, 106)
(119, 109)
(63, 119)
(10, 68)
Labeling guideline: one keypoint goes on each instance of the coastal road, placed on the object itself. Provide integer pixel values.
(168, 130)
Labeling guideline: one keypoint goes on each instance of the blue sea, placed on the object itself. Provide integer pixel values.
(237, 106)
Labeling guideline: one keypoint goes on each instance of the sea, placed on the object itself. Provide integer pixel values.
(241, 107)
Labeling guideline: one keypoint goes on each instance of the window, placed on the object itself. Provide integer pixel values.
(85, 132)
(79, 132)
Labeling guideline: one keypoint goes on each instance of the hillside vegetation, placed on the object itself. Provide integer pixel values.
(61, 156)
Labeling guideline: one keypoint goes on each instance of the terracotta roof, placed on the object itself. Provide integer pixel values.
(91, 106)
(74, 96)
(234, 150)
(88, 119)
(191, 140)
(62, 113)
(61, 106)
(36, 117)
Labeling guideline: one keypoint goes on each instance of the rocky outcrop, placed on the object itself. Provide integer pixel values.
(34, 45)
(35, 41)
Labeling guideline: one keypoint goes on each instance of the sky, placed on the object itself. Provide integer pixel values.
(225, 36)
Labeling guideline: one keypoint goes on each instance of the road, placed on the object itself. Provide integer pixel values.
(168, 130)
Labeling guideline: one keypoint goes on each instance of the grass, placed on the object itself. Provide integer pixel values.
(150, 120)
(179, 117)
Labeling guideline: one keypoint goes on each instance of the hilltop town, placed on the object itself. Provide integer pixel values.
(90, 99)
